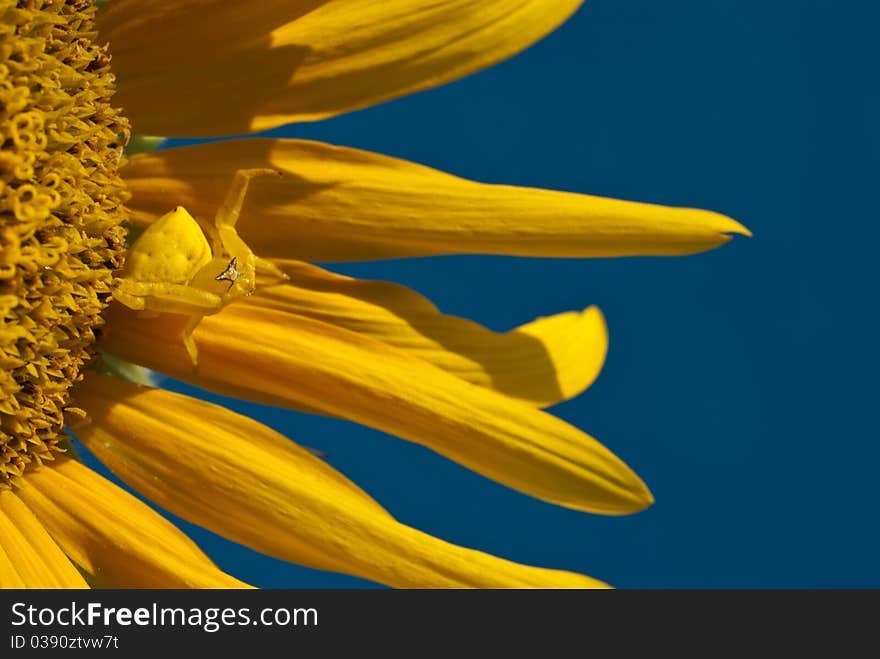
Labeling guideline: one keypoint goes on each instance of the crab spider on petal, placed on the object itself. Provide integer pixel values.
(173, 268)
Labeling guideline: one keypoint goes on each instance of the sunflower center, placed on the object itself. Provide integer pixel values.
(61, 209)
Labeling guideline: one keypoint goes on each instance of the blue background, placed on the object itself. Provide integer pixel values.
(741, 383)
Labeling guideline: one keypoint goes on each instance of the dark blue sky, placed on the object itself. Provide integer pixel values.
(741, 384)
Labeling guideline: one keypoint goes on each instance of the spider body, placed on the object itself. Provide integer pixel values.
(173, 267)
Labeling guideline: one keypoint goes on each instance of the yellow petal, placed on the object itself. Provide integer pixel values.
(339, 204)
(214, 67)
(112, 535)
(267, 356)
(246, 482)
(542, 362)
(9, 576)
(30, 551)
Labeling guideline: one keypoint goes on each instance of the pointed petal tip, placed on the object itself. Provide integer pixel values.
(594, 315)
(624, 493)
(646, 499)
(637, 502)
(711, 231)
(594, 310)
(642, 498)
(635, 498)
(728, 227)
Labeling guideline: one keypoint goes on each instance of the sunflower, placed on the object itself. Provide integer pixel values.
(207, 250)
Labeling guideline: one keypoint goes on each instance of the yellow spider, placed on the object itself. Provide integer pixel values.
(172, 268)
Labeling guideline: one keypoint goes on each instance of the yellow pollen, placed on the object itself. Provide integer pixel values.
(61, 209)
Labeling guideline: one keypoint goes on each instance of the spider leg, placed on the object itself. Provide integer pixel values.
(266, 267)
(229, 211)
(188, 341)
